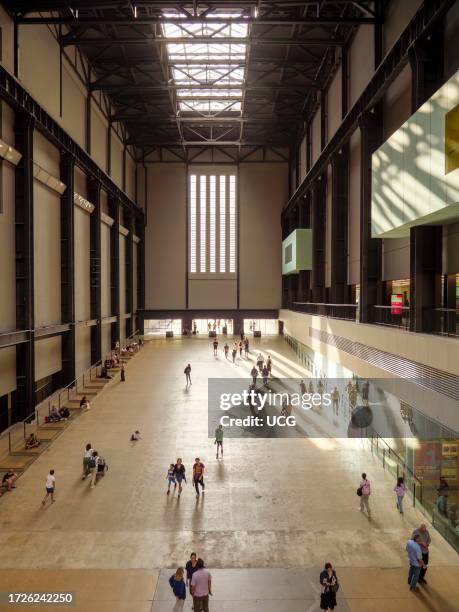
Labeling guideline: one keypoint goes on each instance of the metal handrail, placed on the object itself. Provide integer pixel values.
(21, 429)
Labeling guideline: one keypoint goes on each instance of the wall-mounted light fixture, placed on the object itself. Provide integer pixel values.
(44, 177)
(83, 203)
(9, 153)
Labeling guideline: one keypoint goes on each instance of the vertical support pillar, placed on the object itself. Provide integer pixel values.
(339, 225)
(425, 276)
(68, 268)
(318, 205)
(141, 264)
(24, 397)
(304, 276)
(426, 61)
(370, 248)
(114, 212)
(95, 269)
(130, 274)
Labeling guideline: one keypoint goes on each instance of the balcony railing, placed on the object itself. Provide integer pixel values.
(333, 311)
(393, 317)
(442, 321)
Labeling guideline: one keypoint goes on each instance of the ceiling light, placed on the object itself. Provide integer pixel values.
(9, 153)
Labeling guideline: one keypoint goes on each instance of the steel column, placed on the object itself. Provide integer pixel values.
(129, 271)
(68, 268)
(304, 276)
(94, 188)
(425, 275)
(24, 397)
(426, 60)
(318, 206)
(141, 264)
(370, 248)
(339, 225)
(114, 211)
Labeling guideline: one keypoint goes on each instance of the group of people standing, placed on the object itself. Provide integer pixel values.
(197, 579)
(94, 465)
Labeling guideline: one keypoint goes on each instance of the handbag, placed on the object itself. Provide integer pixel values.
(359, 491)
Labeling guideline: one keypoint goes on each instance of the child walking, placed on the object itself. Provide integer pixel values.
(50, 486)
(171, 478)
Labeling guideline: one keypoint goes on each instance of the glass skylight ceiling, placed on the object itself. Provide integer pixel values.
(216, 67)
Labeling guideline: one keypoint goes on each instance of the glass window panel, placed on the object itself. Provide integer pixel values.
(203, 221)
(212, 222)
(222, 223)
(232, 223)
(193, 223)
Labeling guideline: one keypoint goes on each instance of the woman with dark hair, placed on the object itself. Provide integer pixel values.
(190, 567)
(400, 490)
(442, 499)
(330, 585)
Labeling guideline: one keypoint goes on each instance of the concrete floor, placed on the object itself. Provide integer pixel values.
(277, 503)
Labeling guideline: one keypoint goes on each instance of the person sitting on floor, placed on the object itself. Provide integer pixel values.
(135, 436)
(64, 413)
(105, 374)
(107, 364)
(32, 442)
(9, 479)
(54, 416)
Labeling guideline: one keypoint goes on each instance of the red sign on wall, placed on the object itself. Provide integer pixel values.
(396, 303)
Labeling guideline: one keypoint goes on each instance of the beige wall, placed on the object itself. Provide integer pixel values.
(263, 189)
(7, 27)
(73, 104)
(82, 349)
(47, 357)
(361, 62)
(106, 339)
(99, 137)
(8, 370)
(397, 16)
(47, 232)
(302, 160)
(116, 159)
(334, 104)
(315, 137)
(451, 249)
(82, 264)
(165, 237)
(122, 272)
(7, 232)
(212, 293)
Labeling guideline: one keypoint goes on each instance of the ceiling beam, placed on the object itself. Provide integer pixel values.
(153, 120)
(145, 89)
(131, 20)
(71, 39)
(206, 143)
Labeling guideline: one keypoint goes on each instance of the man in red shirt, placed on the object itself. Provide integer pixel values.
(198, 475)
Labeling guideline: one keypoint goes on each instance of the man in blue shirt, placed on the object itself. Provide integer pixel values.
(414, 553)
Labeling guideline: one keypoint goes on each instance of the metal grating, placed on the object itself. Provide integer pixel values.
(425, 376)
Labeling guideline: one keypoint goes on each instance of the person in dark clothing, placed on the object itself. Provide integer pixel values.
(178, 587)
(190, 567)
(329, 584)
(187, 372)
(123, 374)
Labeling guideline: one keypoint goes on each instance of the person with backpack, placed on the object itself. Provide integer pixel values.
(330, 585)
(187, 372)
(178, 587)
(364, 492)
(171, 478)
(179, 475)
(400, 490)
(102, 467)
(93, 467)
(198, 475)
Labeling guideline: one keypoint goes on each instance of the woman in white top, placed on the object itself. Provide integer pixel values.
(87, 454)
(50, 487)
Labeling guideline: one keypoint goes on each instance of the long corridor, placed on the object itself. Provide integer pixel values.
(274, 511)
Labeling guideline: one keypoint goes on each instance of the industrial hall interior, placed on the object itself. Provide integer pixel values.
(229, 279)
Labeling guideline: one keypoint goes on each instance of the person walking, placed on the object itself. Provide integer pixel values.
(219, 439)
(170, 477)
(191, 567)
(123, 373)
(215, 344)
(187, 372)
(265, 375)
(442, 496)
(269, 364)
(254, 375)
(226, 349)
(335, 400)
(415, 561)
(302, 388)
(87, 454)
(423, 540)
(234, 353)
(246, 347)
(329, 583)
(201, 587)
(364, 492)
(260, 361)
(50, 487)
(178, 587)
(241, 346)
(179, 474)
(93, 467)
(400, 490)
(198, 475)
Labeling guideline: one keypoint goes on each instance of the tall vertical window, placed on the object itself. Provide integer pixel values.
(193, 223)
(222, 206)
(212, 228)
(232, 223)
(203, 222)
(212, 222)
